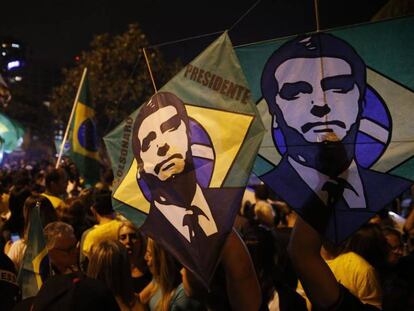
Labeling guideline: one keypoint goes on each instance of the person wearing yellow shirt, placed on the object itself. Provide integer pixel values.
(358, 276)
(353, 272)
(107, 227)
(56, 182)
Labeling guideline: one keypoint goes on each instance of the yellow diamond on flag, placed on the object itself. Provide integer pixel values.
(227, 131)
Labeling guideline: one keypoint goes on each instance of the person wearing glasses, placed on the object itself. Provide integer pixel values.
(63, 247)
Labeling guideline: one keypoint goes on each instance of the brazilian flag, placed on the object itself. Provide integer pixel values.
(84, 138)
(35, 268)
(383, 142)
(221, 131)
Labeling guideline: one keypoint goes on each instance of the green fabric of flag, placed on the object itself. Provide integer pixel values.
(11, 132)
(35, 265)
(84, 138)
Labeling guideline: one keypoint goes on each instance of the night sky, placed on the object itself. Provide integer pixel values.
(56, 31)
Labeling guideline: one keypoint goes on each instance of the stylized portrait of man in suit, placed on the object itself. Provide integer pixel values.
(162, 149)
(183, 216)
(315, 89)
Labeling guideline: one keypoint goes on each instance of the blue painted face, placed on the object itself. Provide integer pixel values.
(319, 97)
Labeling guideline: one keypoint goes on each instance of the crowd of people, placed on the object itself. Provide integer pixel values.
(272, 260)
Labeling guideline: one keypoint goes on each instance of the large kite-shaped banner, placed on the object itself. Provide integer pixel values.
(183, 159)
(338, 108)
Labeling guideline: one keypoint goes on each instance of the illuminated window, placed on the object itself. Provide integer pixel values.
(13, 64)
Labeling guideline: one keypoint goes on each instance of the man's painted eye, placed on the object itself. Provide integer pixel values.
(342, 90)
(146, 142)
(173, 124)
(291, 91)
(338, 84)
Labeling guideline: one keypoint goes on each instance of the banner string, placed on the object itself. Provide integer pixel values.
(337, 28)
(126, 88)
(261, 41)
(130, 76)
(207, 34)
(182, 40)
(245, 14)
(185, 39)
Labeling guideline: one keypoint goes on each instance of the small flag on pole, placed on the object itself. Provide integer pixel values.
(84, 138)
(36, 265)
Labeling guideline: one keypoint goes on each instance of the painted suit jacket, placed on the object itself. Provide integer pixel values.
(336, 224)
(202, 254)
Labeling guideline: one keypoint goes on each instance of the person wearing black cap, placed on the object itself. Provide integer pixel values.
(9, 289)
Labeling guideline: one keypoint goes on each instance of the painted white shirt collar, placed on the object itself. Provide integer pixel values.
(175, 215)
(355, 197)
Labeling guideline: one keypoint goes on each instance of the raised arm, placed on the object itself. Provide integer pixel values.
(242, 286)
(317, 279)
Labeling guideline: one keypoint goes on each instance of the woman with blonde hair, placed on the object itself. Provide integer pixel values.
(109, 263)
(166, 291)
(130, 236)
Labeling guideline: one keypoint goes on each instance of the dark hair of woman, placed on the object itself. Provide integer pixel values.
(369, 242)
(15, 224)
